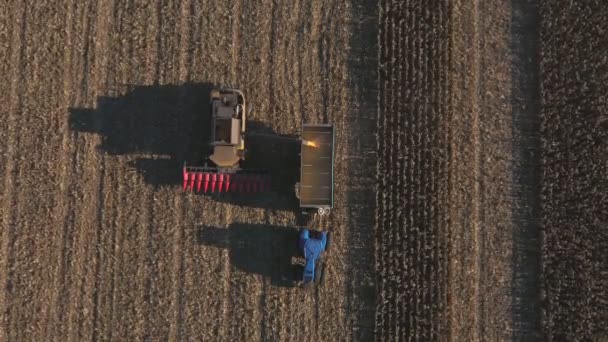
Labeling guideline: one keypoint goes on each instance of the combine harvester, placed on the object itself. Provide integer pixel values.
(228, 121)
(223, 170)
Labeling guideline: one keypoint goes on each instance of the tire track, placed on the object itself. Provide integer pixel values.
(7, 235)
(230, 283)
(197, 318)
(111, 242)
(411, 163)
(475, 168)
(382, 292)
(347, 225)
(430, 272)
(166, 258)
(87, 235)
(182, 272)
(63, 212)
(106, 204)
(40, 173)
(444, 219)
(123, 265)
(335, 110)
(177, 262)
(418, 195)
(199, 304)
(149, 227)
(138, 202)
(465, 173)
(236, 41)
(73, 275)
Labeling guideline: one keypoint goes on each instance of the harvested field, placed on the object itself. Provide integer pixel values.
(102, 103)
(574, 186)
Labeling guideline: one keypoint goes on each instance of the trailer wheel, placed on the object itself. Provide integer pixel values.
(323, 211)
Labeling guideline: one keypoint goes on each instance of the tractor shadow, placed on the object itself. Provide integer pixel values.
(258, 249)
(162, 126)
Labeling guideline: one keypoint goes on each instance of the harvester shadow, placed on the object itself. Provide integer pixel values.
(258, 249)
(153, 120)
(163, 126)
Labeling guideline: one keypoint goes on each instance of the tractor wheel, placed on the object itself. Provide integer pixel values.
(327, 242)
(320, 273)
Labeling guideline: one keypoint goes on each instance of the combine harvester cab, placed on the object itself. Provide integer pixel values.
(222, 171)
(316, 187)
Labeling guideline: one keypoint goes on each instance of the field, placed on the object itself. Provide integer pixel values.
(102, 103)
(469, 170)
(456, 232)
(412, 237)
(574, 128)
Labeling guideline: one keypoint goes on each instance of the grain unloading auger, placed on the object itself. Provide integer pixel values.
(223, 172)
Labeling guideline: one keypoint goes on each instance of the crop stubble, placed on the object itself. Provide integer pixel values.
(574, 154)
(97, 246)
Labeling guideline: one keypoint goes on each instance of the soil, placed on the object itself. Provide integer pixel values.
(103, 101)
(574, 190)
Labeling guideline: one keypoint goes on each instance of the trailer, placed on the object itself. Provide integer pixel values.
(315, 189)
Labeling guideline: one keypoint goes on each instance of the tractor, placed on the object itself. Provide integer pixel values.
(312, 245)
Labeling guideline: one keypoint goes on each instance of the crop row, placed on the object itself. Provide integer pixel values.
(411, 231)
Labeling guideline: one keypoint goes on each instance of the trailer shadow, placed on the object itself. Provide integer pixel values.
(162, 126)
(259, 249)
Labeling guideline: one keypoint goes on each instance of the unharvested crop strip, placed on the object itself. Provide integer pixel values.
(573, 168)
(409, 110)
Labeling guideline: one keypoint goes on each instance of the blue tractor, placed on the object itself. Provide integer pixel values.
(312, 245)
